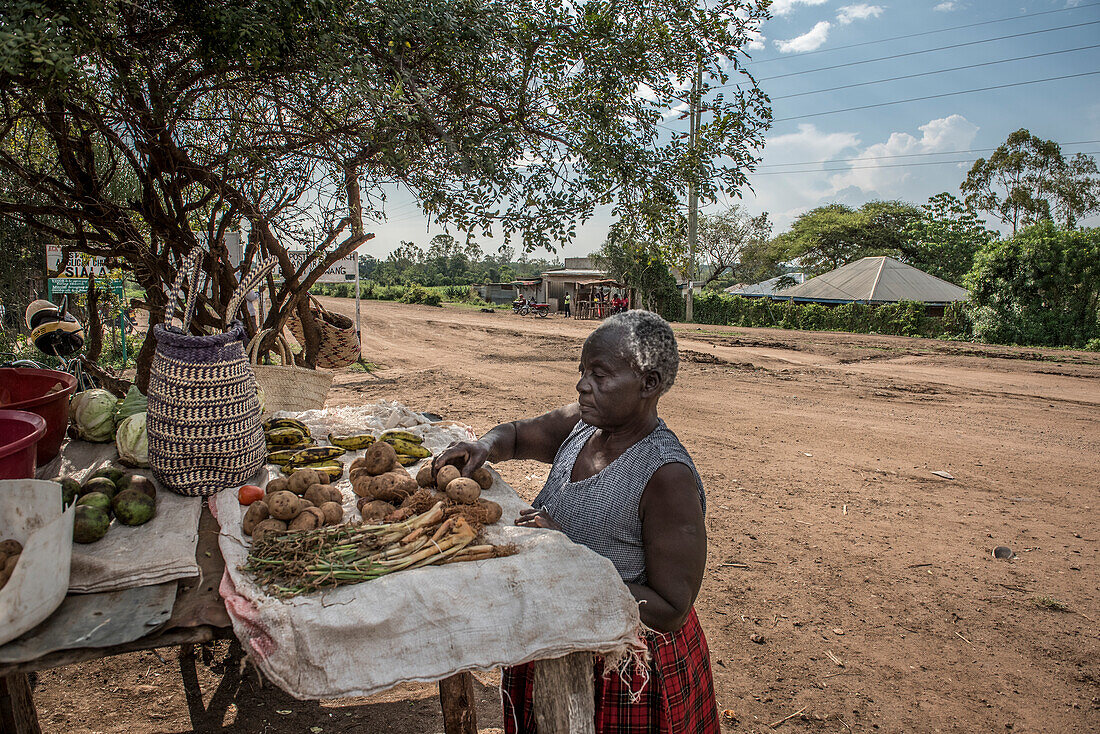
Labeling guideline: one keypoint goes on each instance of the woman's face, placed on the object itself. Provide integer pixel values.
(610, 390)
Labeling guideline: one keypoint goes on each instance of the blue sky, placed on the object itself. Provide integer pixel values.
(907, 151)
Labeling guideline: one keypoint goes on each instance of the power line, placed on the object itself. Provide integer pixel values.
(934, 96)
(908, 155)
(939, 71)
(887, 165)
(923, 33)
(914, 53)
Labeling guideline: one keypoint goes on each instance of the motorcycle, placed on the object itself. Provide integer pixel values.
(542, 310)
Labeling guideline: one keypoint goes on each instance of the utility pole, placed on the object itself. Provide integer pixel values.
(693, 189)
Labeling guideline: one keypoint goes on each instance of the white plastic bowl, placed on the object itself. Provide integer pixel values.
(30, 512)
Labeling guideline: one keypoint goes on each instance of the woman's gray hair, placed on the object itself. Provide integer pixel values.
(649, 341)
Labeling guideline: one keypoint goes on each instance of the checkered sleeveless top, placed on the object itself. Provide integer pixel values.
(601, 512)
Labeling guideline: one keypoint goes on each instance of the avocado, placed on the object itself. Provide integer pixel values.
(91, 524)
(133, 507)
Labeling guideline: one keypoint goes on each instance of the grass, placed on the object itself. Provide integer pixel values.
(363, 366)
(1052, 604)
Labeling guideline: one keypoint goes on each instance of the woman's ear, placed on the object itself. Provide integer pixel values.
(651, 383)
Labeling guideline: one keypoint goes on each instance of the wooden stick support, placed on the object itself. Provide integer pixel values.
(456, 697)
(565, 695)
(17, 712)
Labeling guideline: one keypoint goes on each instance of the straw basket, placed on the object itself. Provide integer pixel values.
(286, 386)
(339, 342)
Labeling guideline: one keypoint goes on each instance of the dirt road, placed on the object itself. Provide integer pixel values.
(845, 580)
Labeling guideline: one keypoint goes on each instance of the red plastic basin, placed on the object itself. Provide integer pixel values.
(30, 390)
(20, 433)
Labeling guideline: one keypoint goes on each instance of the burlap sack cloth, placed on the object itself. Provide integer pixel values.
(552, 598)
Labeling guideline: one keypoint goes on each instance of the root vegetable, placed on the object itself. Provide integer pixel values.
(318, 494)
(257, 513)
(493, 511)
(401, 514)
(303, 479)
(309, 519)
(382, 487)
(446, 475)
(359, 463)
(278, 484)
(270, 525)
(374, 509)
(483, 477)
(334, 513)
(11, 547)
(362, 487)
(333, 494)
(359, 473)
(306, 504)
(424, 476)
(284, 505)
(379, 458)
(463, 490)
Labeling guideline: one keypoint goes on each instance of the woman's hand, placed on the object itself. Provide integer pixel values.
(468, 456)
(536, 519)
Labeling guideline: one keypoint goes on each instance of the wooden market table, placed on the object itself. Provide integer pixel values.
(564, 687)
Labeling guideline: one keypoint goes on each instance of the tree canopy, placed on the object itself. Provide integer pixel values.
(139, 131)
(944, 240)
(1028, 180)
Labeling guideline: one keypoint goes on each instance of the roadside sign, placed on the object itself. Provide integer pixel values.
(341, 271)
(79, 266)
(79, 286)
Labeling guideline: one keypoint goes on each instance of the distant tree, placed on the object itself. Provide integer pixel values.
(829, 236)
(725, 237)
(944, 240)
(1040, 287)
(639, 262)
(1028, 180)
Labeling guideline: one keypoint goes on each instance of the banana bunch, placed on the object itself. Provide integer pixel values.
(353, 442)
(407, 445)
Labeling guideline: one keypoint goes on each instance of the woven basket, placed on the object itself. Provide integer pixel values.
(285, 386)
(339, 342)
(204, 416)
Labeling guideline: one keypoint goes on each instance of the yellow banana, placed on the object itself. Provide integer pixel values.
(333, 469)
(404, 460)
(272, 423)
(410, 449)
(391, 436)
(285, 436)
(315, 454)
(351, 443)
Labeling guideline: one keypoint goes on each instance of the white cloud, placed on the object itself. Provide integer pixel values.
(756, 40)
(946, 7)
(875, 172)
(859, 11)
(809, 41)
(786, 7)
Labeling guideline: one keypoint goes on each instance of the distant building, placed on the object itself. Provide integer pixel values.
(576, 278)
(766, 287)
(496, 292)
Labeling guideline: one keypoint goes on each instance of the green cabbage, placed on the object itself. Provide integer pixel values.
(132, 441)
(92, 413)
(134, 402)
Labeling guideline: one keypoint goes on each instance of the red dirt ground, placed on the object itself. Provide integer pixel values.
(845, 580)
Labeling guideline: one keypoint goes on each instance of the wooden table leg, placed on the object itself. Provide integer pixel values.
(565, 695)
(17, 712)
(456, 697)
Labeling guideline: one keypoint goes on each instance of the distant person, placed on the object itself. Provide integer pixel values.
(565, 309)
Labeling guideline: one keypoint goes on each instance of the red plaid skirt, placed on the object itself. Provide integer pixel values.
(678, 699)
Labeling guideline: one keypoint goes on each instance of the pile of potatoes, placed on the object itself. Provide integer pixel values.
(303, 501)
(387, 492)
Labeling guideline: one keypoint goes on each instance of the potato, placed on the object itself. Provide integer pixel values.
(278, 484)
(303, 479)
(334, 513)
(257, 512)
(483, 477)
(359, 463)
(493, 511)
(333, 494)
(401, 514)
(383, 487)
(309, 519)
(424, 476)
(372, 510)
(9, 565)
(3, 558)
(446, 475)
(284, 505)
(359, 474)
(270, 525)
(362, 487)
(463, 490)
(11, 547)
(379, 458)
(318, 494)
(305, 504)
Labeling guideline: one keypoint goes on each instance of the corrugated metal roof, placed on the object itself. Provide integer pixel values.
(876, 280)
(765, 287)
(574, 272)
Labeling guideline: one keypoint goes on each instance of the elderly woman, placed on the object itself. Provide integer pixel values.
(622, 484)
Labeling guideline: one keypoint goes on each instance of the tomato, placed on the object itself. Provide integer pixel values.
(249, 493)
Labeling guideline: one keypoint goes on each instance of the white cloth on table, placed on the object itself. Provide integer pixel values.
(552, 598)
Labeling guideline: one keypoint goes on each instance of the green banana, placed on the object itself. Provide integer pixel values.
(406, 448)
(272, 423)
(351, 443)
(281, 456)
(404, 460)
(315, 454)
(391, 436)
(305, 443)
